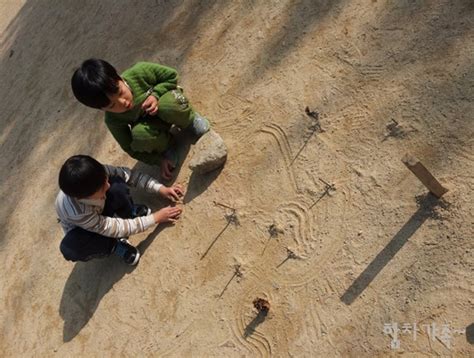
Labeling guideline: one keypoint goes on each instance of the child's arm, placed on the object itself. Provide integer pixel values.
(111, 226)
(117, 227)
(161, 78)
(134, 178)
(146, 182)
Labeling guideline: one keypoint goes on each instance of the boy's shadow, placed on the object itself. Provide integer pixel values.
(88, 283)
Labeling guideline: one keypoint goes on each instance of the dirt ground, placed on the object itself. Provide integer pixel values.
(373, 250)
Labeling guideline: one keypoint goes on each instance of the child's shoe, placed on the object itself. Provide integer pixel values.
(200, 125)
(140, 210)
(129, 254)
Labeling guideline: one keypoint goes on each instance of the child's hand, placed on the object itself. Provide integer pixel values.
(168, 214)
(150, 106)
(166, 169)
(174, 193)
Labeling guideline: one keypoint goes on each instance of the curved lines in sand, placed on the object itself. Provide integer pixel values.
(260, 274)
(318, 319)
(314, 325)
(297, 212)
(246, 332)
(281, 139)
(229, 101)
(237, 113)
(331, 240)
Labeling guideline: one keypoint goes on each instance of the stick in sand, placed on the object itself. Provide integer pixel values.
(274, 231)
(314, 128)
(420, 171)
(223, 205)
(327, 188)
(290, 255)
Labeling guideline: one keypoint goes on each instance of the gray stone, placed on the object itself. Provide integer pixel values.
(210, 153)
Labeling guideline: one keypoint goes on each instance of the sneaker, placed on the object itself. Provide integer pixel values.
(140, 210)
(129, 254)
(200, 125)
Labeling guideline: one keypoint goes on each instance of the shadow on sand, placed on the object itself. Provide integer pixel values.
(426, 209)
(88, 283)
(252, 326)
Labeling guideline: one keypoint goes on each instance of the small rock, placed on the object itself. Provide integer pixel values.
(210, 153)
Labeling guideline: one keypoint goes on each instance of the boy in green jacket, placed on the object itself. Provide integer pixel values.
(140, 107)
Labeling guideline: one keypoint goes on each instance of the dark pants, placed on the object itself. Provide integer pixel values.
(83, 245)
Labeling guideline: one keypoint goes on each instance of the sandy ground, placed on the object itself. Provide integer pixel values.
(375, 250)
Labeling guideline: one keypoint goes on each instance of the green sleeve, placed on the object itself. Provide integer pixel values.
(123, 136)
(161, 78)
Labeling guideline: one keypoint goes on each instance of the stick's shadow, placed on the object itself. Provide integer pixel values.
(252, 326)
(88, 283)
(426, 206)
(215, 239)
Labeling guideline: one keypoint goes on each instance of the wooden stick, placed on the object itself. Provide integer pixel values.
(420, 171)
(223, 205)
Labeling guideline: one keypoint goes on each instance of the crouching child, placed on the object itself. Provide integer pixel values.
(97, 212)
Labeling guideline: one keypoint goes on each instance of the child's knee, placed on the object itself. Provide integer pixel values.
(149, 138)
(67, 249)
(174, 108)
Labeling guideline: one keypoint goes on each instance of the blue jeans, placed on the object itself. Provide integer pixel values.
(83, 245)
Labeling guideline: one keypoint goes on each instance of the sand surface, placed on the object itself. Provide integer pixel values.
(386, 77)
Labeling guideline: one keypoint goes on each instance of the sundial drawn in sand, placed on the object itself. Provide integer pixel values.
(292, 195)
(301, 221)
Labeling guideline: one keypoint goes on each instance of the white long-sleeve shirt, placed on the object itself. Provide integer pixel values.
(86, 213)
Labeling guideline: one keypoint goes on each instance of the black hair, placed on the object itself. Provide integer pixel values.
(81, 176)
(93, 81)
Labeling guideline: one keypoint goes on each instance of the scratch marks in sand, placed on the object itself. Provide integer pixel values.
(299, 224)
(372, 72)
(281, 139)
(246, 326)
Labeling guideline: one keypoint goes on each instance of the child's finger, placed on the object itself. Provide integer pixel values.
(179, 189)
(175, 194)
(146, 105)
(177, 210)
(172, 198)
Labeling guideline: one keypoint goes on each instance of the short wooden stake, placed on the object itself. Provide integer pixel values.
(428, 180)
